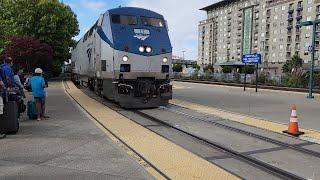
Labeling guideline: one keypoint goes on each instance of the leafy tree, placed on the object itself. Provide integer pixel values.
(196, 66)
(248, 69)
(29, 52)
(227, 69)
(208, 68)
(49, 21)
(177, 68)
(294, 64)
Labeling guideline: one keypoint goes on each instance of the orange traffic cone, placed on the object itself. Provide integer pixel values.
(293, 128)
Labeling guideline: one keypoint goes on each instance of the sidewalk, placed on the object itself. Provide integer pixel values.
(66, 146)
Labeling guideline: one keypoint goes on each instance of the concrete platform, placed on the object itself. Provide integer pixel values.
(66, 146)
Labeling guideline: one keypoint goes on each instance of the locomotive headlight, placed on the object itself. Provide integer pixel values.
(125, 58)
(165, 60)
(148, 49)
(141, 49)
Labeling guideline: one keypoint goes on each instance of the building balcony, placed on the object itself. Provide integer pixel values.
(239, 34)
(268, 14)
(290, 18)
(290, 11)
(289, 32)
(290, 26)
(288, 49)
(298, 39)
(299, 17)
(229, 18)
(298, 26)
(299, 8)
(239, 14)
(289, 40)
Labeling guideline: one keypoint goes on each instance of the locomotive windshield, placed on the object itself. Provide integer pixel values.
(124, 19)
(155, 22)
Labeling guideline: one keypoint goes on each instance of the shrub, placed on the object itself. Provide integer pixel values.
(227, 69)
(177, 68)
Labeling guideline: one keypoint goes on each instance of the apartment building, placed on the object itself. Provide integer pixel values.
(269, 27)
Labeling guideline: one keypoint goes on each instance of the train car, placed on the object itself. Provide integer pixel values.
(127, 57)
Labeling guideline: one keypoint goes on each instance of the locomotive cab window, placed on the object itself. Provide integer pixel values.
(155, 22)
(125, 20)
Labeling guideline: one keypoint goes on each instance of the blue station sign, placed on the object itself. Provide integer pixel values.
(251, 58)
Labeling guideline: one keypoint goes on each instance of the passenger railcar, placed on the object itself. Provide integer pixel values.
(126, 57)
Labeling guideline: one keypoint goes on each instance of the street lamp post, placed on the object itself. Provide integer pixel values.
(183, 54)
(311, 71)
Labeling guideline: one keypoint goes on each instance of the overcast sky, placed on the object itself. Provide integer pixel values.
(183, 17)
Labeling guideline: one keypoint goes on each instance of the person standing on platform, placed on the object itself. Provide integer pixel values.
(37, 84)
(18, 82)
(7, 73)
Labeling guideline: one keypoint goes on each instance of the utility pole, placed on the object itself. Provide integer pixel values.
(311, 64)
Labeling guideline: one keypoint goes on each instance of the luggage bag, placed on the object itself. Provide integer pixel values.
(9, 123)
(32, 110)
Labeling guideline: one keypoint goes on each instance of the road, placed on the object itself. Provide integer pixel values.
(266, 104)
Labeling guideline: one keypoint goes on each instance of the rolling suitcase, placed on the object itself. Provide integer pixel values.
(32, 110)
(9, 123)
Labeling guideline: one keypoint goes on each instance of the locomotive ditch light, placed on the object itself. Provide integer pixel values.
(165, 60)
(125, 58)
(141, 49)
(148, 49)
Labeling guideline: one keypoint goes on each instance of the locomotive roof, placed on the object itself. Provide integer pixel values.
(135, 11)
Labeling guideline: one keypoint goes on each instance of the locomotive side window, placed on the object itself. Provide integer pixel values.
(155, 22)
(125, 20)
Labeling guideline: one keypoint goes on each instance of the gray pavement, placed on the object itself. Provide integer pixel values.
(269, 105)
(66, 146)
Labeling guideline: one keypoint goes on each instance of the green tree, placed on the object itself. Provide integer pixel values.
(177, 68)
(295, 63)
(196, 66)
(227, 69)
(50, 21)
(209, 68)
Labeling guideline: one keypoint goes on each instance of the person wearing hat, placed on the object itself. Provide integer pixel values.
(37, 84)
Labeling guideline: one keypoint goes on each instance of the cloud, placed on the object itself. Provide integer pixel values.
(183, 18)
(93, 5)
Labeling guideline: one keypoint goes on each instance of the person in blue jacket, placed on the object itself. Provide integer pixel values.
(7, 73)
(37, 84)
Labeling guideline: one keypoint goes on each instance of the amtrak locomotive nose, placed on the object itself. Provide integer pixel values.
(130, 58)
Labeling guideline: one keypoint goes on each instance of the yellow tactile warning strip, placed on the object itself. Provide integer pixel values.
(169, 158)
(311, 135)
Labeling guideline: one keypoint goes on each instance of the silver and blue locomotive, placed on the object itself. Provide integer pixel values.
(126, 57)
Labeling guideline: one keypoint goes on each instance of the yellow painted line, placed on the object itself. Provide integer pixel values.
(312, 135)
(169, 158)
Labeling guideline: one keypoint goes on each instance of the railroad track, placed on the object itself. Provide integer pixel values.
(247, 133)
(245, 158)
(280, 173)
(257, 163)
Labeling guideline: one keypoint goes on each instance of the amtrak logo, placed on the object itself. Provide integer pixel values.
(141, 37)
(141, 34)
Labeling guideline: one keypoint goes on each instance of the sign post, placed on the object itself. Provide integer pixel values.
(251, 59)
(312, 49)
